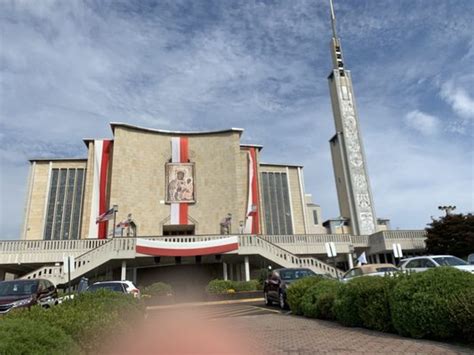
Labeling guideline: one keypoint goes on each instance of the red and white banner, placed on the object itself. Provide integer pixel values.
(179, 154)
(208, 247)
(102, 149)
(252, 221)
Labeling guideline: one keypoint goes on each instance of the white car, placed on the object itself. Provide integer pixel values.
(118, 286)
(369, 270)
(423, 263)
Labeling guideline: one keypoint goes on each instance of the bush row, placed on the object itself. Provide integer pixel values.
(157, 289)
(228, 286)
(76, 326)
(436, 304)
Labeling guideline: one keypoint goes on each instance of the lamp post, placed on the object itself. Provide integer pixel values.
(447, 209)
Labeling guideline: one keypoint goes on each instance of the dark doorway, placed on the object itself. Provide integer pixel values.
(177, 229)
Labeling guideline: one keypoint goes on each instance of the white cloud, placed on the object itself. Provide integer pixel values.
(422, 122)
(459, 99)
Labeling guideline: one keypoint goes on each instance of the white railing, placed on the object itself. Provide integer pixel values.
(118, 248)
(251, 244)
(44, 251)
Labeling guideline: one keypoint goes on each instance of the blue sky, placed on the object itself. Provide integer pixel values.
(68, 68)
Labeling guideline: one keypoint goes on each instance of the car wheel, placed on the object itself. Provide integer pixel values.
(267, 300)
(281, 300)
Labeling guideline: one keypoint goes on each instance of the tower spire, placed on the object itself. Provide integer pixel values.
(333, 20)
(349, 162)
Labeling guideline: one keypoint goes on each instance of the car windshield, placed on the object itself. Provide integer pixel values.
(295, 274)
(449, 261)
(18, 288)
(108, 286)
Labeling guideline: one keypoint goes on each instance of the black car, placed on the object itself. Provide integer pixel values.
(27, 293)
(274, 289)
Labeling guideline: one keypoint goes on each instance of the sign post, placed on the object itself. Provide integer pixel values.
(68, 267)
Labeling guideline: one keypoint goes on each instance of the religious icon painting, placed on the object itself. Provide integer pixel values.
(180, 182)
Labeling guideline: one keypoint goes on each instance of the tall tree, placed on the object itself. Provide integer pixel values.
(452, 234)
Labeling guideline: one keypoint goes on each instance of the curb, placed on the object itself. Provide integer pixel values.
(200, 304)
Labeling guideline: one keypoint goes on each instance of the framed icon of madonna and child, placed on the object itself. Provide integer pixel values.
(180, 183)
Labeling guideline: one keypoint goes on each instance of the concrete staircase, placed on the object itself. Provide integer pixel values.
(251, 245)
(124, 248)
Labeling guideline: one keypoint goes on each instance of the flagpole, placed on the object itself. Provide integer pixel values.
(115, 220)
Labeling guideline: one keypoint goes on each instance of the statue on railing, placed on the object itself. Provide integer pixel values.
(129, 226)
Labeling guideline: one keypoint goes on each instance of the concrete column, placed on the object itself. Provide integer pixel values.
(349, 260)
(134, 276)
(124, 271)
(2, 275)
(247, 268)
(377, 258)
(224, 270)
(231, 267)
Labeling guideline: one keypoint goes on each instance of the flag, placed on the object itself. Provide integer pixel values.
(105, 216)
(361, 259)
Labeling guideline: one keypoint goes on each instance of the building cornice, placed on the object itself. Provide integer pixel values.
(114, 125)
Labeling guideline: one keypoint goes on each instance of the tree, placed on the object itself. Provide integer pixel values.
(452, 234)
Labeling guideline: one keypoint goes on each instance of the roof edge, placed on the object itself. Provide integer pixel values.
(289, 165)
(57, 159)
(163, 131)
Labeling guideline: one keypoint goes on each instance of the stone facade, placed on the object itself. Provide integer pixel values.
(136, 183)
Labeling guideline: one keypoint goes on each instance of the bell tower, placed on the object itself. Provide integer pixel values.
(349, 162)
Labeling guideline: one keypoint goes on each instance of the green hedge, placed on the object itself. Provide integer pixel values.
(318, 300)
(227, 286)
(157, 289)
(437, 304)
(296, 291)
(27, 336)
(86, 319)
(364, 302)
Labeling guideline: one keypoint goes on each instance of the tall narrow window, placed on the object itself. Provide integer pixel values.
(276, 203)
(64, 204)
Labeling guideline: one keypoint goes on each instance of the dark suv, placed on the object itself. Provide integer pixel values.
(274, 289)
(27, 293)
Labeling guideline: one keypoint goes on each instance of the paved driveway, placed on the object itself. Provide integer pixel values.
(251, 328)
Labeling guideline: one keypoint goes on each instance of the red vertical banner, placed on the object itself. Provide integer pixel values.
(255, 195)
(252, 225)
(104, 170)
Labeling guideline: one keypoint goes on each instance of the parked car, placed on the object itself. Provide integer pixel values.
(126, 287)
(423, 263)
(27, 293)
(274, 289)
(369, 270)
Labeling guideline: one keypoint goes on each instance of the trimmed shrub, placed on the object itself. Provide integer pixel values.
(227, 286)
(461, 313)
(434, 304)
(219, 286)
(318, 300)
(364, 301)
(27, 336)
(158, 289)
(87, 318)
(245, 286)
(296, 291)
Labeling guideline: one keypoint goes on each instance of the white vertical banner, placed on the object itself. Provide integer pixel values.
(331, 249)
(397, 250)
